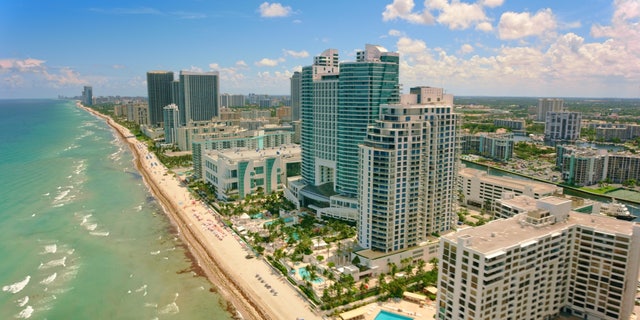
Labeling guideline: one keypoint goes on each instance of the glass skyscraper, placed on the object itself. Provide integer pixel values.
(364, 85)
(159, 93)
(199, 96)
(87, 96)
(338, 102)
(295, 96)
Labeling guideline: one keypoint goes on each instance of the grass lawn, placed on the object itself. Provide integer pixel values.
(601, 190)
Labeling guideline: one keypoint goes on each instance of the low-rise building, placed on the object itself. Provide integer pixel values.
(495, 146)
(586, 166)
(517, 126)
(241, 172)
(476, 187)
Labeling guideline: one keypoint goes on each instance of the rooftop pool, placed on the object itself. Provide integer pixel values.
(386, 315)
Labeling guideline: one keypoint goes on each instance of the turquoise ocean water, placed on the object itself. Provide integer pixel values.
(80, 235)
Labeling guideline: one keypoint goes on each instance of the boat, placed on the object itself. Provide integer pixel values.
(617, 210)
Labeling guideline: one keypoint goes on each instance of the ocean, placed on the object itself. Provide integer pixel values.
(81, 237)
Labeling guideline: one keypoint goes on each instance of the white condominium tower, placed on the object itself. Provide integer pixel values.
(562, 126)
(548, 104)
(407, 173)
(319, 113)
(538, 264)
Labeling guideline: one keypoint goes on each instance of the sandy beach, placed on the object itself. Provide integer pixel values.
(255, 290)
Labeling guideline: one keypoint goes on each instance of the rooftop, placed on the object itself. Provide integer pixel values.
(238, 154)
(513, 183)
(503, 233)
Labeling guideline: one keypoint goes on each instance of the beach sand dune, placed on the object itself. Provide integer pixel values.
(219, 254)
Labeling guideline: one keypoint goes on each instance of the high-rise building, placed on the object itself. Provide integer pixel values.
(159, 93)
(319, 114)
(296, 88)
(372, 80)
(199, 96)
(87, 96)
(171, 123)
(408, 168)
(538, 264)
(562, 126)
(231, 100)
(548, 104)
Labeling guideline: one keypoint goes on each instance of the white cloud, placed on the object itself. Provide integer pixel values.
(296, 54)
(64, 77)
(119, 66)
(466, 48)
(13, 81)
(35, 73)
(214, 66)
(492, 3)
(408, 47)
(266, 62)
(402, 9)
(454, 14)
(515, 25)
(484, 26)
(460, 15)
(195, 69)
(395, 33)
(569, 65)
(273, 79)
(26, 65)
(624, 30)
(241, 64)
(626, 10)
(274, 10)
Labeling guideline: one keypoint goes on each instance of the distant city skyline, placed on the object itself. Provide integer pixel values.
(487, 47)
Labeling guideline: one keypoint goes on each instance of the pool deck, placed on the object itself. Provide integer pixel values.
(408, 309)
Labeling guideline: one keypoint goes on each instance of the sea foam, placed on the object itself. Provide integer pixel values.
(51, 248)
(49, 279)
(17, 287)
(54, 263)
(171, 308)
(25, 313)
(22, 302)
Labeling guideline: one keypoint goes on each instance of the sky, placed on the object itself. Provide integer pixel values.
(543, 48)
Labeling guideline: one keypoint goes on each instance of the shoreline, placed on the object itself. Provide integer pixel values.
(216, 250)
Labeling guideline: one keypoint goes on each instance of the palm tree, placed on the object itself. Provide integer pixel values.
(421, 264)
(434, 263)
(393, 268)
(381, 282)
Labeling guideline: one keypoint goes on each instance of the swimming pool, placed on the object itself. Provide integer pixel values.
(305, 275)
(386, 315)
